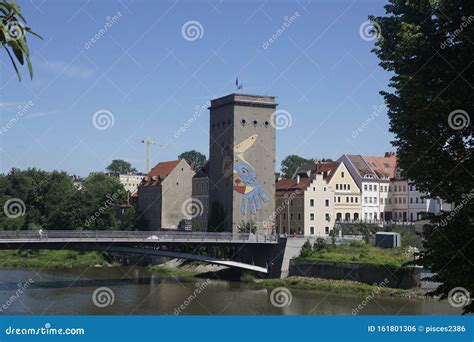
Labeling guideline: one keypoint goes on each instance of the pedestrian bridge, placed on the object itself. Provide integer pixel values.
(247, 251)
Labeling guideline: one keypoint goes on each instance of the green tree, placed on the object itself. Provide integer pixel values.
(120, 166)
(291, 163)
(247, 227)
(306, 250)
(13, 31)
(428, 46)
(193, 157)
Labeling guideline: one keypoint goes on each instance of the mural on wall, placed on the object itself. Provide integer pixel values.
(246, 181)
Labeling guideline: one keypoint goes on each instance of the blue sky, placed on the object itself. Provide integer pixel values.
(144, 74)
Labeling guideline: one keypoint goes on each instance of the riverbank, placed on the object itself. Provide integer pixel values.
(52, 259)
(332, 286)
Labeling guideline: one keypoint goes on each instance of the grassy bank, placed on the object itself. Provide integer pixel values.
(326, 285)
(51, 259)
(172, 271)
(356, 252)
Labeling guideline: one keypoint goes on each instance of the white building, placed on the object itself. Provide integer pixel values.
(130, 182)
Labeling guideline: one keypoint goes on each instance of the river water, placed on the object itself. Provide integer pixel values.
(136, 291)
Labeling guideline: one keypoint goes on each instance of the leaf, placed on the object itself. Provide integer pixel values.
(17, 51)
(13, 62)
(33, 33)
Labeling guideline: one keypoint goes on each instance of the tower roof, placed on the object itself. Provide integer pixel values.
(244, 100)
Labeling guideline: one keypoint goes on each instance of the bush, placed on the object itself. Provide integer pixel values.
(320, 245)
(306, 250)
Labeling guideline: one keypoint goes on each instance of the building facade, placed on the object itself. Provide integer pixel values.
(130, 182)
(304, 206)
(241, 161)
(163, 193)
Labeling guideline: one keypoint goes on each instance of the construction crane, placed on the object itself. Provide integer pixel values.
(149, 142)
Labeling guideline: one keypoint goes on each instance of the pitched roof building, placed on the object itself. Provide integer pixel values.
(164, 193)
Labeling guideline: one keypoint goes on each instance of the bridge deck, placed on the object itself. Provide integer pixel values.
(149, 237)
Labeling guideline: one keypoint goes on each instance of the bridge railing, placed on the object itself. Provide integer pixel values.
(149, 236)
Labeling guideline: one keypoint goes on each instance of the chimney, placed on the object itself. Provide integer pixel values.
(297, 179)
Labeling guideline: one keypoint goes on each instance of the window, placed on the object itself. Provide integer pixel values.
(284, 216)
(365, 187)
(411, 199)
(365, 199)
(375, 187)
(352, 199)
(311, 230)
(299, 216)
(327, 203)
(357, 200)
(370, 199)
(291, 216)
(375, 200)
(327, 217)
(342, 174)
(324, 189)
(344, 186)
(348, 186)
(326, 230)
(291, 202)
(347, 199)
(337, 186)
(338, 199)
(370, 187)
(311, 202)
(314, 189)
(311, 217)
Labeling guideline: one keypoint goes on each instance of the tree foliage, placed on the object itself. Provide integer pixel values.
(193, 157)
(291, 163)
(120, 166)
(49, 200)
(247, 227)
(13, 31)
(428, 46)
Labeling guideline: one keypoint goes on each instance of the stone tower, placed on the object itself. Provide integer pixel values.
(242, 162)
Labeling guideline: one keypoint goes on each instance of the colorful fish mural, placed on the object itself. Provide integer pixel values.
(246, 181)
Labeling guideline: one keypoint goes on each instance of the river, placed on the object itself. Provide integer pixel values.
(136, 291)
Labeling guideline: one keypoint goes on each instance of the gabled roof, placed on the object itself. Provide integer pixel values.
(377, 167)
(288, 186)
(327, 169)
(159, 173)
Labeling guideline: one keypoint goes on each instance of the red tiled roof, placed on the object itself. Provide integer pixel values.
(327, 169)
(159, 172)
(286, 186)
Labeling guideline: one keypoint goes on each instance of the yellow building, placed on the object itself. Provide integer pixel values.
(347, 201)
